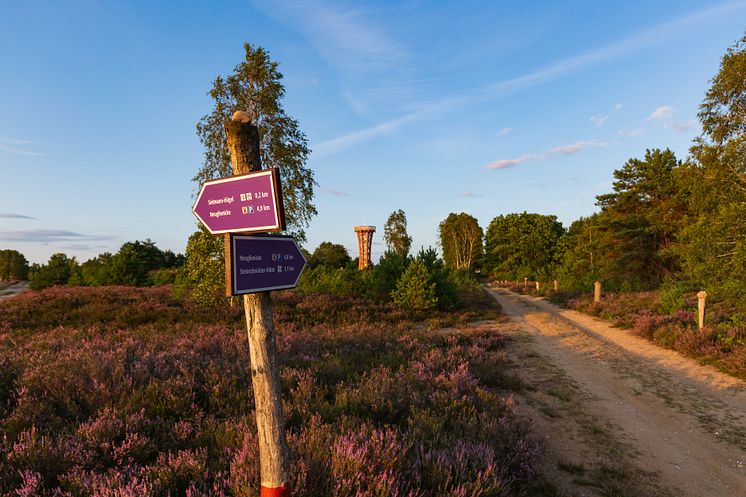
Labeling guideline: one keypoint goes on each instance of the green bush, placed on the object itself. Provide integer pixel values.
(326, 279)
(56, 272)
(382, 278)
(415, 289)
(671, 297)
(441, 276)
(160, 277)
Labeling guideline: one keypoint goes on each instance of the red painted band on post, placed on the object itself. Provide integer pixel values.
(283, 491)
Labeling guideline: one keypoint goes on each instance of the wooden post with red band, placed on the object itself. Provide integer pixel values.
(283, 491)
(274, 455)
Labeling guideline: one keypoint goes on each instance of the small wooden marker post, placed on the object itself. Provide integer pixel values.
(597, 292)
(537, 285)
(525, 282)
(274, 455)
(556, 286)
(701, 299)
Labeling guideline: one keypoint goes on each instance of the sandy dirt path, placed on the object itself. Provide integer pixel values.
(7, 291)
(619, 415)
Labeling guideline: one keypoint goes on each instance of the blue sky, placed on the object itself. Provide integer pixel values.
(430, 107)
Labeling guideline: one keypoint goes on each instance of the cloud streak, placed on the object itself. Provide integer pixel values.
(562, 150)
(335, 145)
(663, 33)
(49, 236)
(334, 192)
(11, 146)
(372, 64)
(12, 215)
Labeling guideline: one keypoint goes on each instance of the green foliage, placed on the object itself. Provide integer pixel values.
(329, 254)
(344, 282)
(255, 86)
(395, 233)
(134, 261)
(203, 274)
(163, 276)
(13, 265)
(56, 271)
(523, 246)
(580, 259)
(723, 112)
(639, 222)
(94, 272)
(671, 297)
(461, 240)
(441, 276)
(382, 278)
(415, 289)
(713, 249)
(382, 281)
(135, 264)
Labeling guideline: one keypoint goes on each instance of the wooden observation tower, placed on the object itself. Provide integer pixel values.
(364, 242)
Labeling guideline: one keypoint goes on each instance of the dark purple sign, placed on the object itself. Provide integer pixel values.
(249, 203)
(263, 263)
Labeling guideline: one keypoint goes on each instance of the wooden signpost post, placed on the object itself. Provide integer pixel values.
(254, 257)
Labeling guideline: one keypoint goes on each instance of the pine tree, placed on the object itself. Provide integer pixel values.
(415, 289)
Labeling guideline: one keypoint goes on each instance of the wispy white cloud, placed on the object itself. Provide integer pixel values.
(504, 131)
(372, 64)
(683, 126)
(471, 195)
(16, 147)
(574, 148)
(599, 119)
(663, 33)
(334, 145)
(660, 113)
(506, 163)
(567, 149)
(345, 36)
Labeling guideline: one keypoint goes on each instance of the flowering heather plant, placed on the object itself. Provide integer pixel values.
(131, 392)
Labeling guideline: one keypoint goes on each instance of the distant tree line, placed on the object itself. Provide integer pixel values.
(417, 282)
(135, 264)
